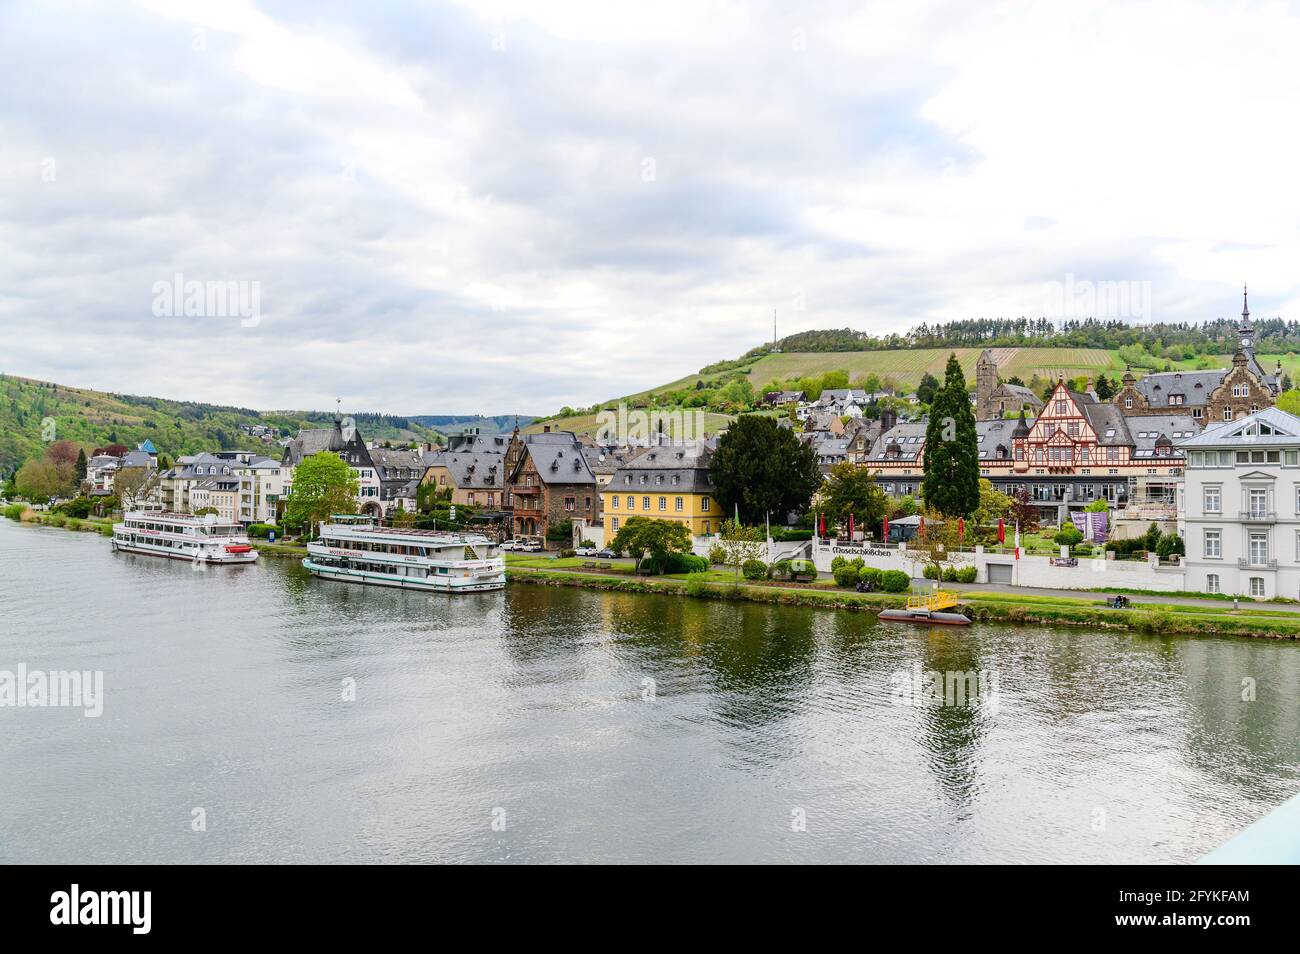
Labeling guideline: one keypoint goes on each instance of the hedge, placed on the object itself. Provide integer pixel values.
(894, 581)
(754, 570)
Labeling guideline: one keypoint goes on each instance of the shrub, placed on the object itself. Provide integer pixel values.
(74, 523)
(870, 574)
(950, 574)
(754, 570)
(697, 583)
(263, 530)
(1171, 544)
(685, 563)
(837, 562)
(803, 568)
(1083, 549)
(717, 556)
(930, 571)
(781, 570)
(56, 520)
(1068, 536)
(845, 575)
(894, 581)
(566, 554)
(966, 574)
(15, 511)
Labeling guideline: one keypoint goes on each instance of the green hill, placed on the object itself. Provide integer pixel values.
(97, 418)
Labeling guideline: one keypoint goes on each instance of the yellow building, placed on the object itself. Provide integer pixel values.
(667, 482)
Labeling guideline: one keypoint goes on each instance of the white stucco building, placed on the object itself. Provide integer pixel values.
(1239, 510)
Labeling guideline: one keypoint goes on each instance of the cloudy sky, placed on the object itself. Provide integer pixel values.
(512, 206)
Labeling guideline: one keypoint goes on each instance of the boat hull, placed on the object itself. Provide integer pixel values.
(427, 585)
(232, 559)
(913, 616)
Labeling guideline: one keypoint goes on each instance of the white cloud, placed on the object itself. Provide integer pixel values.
(444, 226)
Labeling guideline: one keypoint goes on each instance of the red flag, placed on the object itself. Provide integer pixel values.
(823, 522)
(920, 527)
(850, 525)
(884, 534)
(1002, 530)
(961, 528)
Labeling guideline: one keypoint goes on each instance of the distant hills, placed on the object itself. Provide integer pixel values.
(487, 424)
(33, 413)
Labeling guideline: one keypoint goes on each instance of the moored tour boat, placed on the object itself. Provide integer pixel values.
(183, 536)
(351, 548)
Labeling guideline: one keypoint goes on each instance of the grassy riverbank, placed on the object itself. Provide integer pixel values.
(1255, 621)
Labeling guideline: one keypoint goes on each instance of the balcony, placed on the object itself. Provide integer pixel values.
(1248, 563)
(1257, 515)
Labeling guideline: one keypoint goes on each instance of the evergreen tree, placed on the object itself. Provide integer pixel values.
(952, 472)
(79, 470)
(927, 389)
(764, 469)
(1105, 389)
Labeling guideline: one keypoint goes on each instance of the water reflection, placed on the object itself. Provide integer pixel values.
(605, 726)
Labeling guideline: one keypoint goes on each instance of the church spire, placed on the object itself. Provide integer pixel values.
(1245, 307)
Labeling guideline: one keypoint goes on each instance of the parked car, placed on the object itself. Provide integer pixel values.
(587, 552)
(530, 545)
(607, 554)
(511, 545)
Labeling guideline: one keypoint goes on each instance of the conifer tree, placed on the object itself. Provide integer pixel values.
(951, 484)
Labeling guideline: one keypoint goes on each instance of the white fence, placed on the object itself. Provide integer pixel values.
(1056, 573)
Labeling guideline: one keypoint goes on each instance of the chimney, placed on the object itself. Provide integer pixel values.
(888, 418)
(546, 428)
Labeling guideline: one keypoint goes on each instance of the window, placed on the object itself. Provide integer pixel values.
(1258, 547)
(704, 505)
(663, 503)
(1213, 545)
(631, 503)
(614, 524)
(645, 503)
(1256, 586)
(1258, 503)
(680, 505)
(1227, 413)
(1212, 583)
(1128, 402)
(614, 501)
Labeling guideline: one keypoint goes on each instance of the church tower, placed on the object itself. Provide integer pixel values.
(986, 382)
(1245, 333)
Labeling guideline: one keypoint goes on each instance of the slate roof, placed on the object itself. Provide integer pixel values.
(138, 458)
(1195, 386)
(683, 468)
(558, 457)
(313, 440)
(1108, 421)
(475, 471)
(1147, 431)
(392, 464)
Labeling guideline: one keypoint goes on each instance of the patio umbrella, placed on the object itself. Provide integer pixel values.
(1002, 530)
(884, 533)
(850, 525)
(961, 528)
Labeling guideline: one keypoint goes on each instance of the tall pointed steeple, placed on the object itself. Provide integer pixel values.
(1245, 307)
(1245, 333)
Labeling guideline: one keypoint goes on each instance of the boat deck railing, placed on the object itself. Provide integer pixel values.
(938, 600)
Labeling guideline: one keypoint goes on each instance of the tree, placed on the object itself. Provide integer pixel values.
(131, 484)
(927, 389)
(1023, 512)
(322, 484)
(951, 456)
(79, 469)
(740, 544)
(39, 478)
(994, 504)
(938, 543)
(851, 489)
(640, 536)
(762, 469)
(1105, 389)
(1289, 401)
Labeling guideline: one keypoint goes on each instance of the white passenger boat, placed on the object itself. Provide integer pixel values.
(182, 536)
(353, 549)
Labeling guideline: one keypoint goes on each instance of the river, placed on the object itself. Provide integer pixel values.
(255, 714)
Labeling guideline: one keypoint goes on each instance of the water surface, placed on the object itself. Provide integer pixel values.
(601, 727)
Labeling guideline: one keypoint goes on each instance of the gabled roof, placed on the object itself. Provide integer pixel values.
(558, 458)
(475, 471)
(1195, 386)
(1285, 428)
